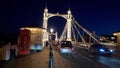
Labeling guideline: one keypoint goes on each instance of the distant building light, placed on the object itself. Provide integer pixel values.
(114, 34)
(112, 38)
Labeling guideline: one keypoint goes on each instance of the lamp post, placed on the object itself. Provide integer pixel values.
(51, 53)
(51, 32)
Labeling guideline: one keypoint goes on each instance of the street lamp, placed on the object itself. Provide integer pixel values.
(51, 52)
(51, 30)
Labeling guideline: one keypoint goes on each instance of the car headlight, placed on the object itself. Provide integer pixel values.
(111, 50)
(102, 50)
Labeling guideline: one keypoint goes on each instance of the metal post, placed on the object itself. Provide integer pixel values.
(51, 64)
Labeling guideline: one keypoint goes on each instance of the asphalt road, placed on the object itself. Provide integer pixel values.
(75, 60)
(80, 58)
(109, 61)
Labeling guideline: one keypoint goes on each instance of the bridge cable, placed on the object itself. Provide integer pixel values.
(89, 33)
(65, 30)
(74, 34)
(79, 34)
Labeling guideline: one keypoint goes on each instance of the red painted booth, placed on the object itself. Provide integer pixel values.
(24, 42)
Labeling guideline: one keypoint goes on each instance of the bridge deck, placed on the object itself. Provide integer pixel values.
(41, 60)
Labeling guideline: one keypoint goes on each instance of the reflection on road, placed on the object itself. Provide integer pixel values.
(111, 61)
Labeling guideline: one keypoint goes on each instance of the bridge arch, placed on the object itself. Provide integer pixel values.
(57, 23)
(47, 15)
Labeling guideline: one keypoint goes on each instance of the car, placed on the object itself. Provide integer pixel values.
(37, 47)
(66, 47)
(100, 49)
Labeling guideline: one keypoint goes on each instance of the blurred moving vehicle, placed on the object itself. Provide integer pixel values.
(37, 47)
(100, 49)
(66, 47)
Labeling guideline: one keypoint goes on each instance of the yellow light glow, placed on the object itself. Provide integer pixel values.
(115, 34)
(51, 30)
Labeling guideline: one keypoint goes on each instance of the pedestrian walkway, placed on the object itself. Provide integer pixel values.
(35, 60)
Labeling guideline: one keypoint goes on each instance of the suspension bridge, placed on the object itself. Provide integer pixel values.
(80, 57)
(71, 30)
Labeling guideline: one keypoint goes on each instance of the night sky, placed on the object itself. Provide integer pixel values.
(100, 16)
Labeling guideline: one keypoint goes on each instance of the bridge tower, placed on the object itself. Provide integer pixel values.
(69, 19)
(45, 19)
(47, 15)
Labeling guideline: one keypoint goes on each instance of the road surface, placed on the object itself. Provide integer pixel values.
(80, 58)
(110, 61)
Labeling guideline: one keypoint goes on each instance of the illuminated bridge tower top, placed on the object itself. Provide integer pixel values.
(67, 16)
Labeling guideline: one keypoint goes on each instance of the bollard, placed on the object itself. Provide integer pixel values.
(50, 50)
(51, 64)
(51, 54)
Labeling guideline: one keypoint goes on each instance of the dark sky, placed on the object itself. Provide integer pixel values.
(100, 16)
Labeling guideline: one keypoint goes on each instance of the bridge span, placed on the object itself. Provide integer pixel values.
(80, 58)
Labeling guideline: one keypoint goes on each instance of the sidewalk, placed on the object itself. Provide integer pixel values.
(34, 60)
